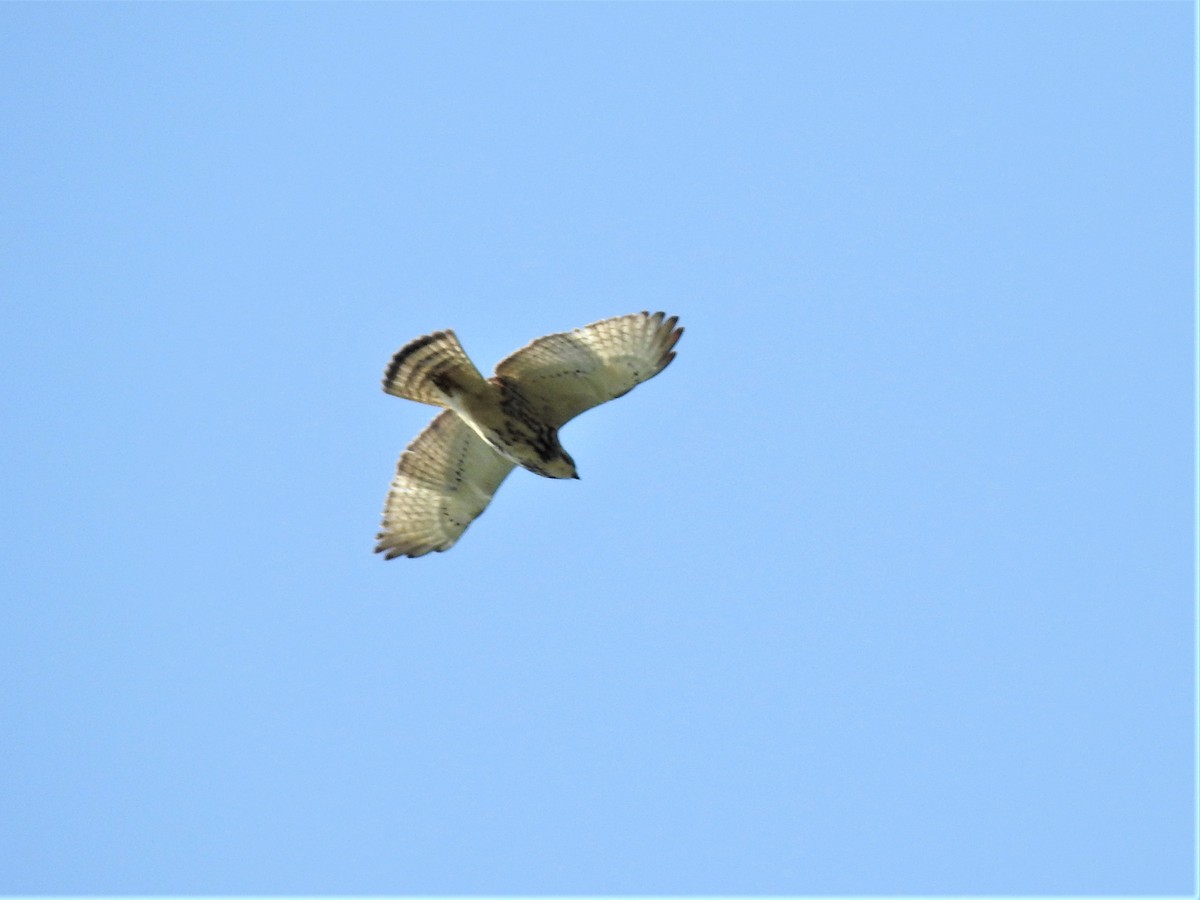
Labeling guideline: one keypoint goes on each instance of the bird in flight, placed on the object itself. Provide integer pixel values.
(448, 474)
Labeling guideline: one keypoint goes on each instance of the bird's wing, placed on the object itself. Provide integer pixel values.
(565, 374)
(444, 480)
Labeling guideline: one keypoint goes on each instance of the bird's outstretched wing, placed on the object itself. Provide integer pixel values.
(444, 480)
(562, 375)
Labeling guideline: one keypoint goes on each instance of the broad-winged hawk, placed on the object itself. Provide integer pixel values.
(448, 475)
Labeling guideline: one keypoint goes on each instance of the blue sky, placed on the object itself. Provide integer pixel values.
(885, 586)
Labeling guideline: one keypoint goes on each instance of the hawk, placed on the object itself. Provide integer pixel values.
(448, 474)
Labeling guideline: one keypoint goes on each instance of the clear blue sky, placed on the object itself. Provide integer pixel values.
(885, 586)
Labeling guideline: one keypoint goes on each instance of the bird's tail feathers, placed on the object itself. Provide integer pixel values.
(431, 369)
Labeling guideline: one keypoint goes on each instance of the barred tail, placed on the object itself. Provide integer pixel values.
(430, 369)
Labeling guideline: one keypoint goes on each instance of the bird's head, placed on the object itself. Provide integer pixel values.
(561, 466)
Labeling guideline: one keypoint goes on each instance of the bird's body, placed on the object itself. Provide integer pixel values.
(500, 413)
(448, 474)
